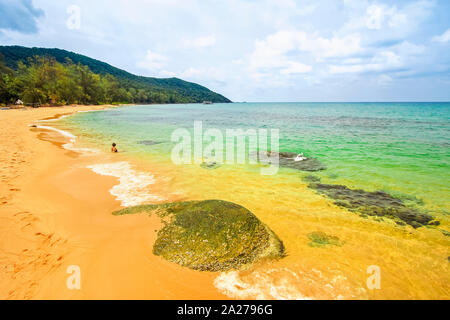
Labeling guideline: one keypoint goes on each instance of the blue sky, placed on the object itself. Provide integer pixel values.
(248, 50)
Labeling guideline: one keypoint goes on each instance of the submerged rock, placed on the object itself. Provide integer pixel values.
(148, 142)
(286, 160)
(310, 164)
(210, 165)
(211, 235)
(310, 178)
(321, 239)
(445, 233)
(378, 203)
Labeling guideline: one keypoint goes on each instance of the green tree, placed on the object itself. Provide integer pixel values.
(6, 80)
(39, 80)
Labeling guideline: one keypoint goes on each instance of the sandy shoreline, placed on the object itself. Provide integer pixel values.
(55, 212)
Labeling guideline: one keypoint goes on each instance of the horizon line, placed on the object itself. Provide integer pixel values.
(438, 101)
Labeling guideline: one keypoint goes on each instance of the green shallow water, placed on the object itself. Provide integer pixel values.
(401, 148)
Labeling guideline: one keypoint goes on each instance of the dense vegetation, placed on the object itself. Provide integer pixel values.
(54, 76)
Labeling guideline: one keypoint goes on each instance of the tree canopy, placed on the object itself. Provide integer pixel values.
(53, 76)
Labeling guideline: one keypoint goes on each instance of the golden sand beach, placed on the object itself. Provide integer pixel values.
(55, 213)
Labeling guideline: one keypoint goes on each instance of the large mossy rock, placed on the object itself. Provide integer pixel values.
(211, 235)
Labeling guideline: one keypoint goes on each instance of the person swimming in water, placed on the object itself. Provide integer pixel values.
(114, 149)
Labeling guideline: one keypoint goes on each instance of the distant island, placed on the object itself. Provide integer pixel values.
(60, 77)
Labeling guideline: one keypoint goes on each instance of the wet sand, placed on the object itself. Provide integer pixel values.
(55, 213)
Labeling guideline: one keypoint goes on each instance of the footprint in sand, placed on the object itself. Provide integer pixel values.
(29, 218)
(19, 213)
(27, 225)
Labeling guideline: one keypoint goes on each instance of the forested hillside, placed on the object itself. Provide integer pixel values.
(54, 76)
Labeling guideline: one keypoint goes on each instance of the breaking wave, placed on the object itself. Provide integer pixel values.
(132, 187)
(72, 139)
(284, 284)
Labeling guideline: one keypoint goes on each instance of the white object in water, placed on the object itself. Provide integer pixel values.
(300, 157)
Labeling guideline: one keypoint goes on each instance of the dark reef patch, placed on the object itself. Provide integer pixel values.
(286, 160)
(377, 203)
(211, 235)
(445, 233)
(210, 165)
(311, 178)
(321, 239)
(149, 142)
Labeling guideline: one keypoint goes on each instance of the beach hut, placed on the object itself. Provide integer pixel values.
(17, 105)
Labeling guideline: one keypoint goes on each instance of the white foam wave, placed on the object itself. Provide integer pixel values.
(72, 139)
(84, 111)
(54, 119)
(62, 132)
(65, 116)
(285, 284)
(131, 190)
(261, 287)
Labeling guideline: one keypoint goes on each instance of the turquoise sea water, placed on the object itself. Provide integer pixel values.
(401, 148)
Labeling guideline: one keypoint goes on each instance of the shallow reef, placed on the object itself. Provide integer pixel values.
(321, 239)
(286, 160)
(210, 165)
(210, 235)
(377, 203)
(311, 178)
(149, 142)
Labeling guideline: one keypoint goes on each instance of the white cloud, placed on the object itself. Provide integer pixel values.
(153, 61)
(285, 41)
(336, 46)
(283, 3)
(203, 73)
(407, 48)
(288, 50)
(167, 74)
(201, 42)
(384, 79)
(296, 67)
(273, 49)
(374, 17)
(388, 20)
(382, 61)
(378, 15)
(193, 73)
(443, 38)
(402, 55)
